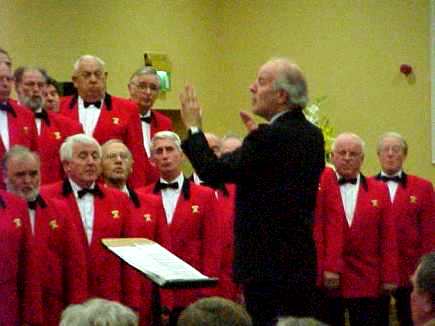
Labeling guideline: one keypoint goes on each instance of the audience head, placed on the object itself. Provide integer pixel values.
(280, 85)
(117, 163)
(348, 154)
(144, 87)
(52, 95)
(392, 150)
(30, 84)
(166, 154)
(89, 78)
(230, 143)
(5, 57)
(6, 81)
(296, 321)
(21, 172)
(214, 311)
(81, 159)
(214, 142)
(98, 312)
(423, 293)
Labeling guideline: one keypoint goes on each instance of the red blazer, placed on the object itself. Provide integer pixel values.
(226, 286)
(364, 254)
(22, 130)
(147, 221)
(20, 292)
(117, 119)
(144, 172)
(111, 211)
(55, 128)
(62, 259)
(195, 236)
(414, 213)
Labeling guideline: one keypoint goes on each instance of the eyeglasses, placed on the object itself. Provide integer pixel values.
(145, 86)
(32, 84)
(396, 149)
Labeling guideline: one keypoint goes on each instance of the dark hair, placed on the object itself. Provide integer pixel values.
(425, 276)
(19, 72)
(51, 81)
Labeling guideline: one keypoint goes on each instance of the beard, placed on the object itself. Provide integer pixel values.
(32, 103)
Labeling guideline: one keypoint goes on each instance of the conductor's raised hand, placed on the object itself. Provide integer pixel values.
(190, 109)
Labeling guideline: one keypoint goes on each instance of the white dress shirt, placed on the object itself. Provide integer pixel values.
(170, 197)
(349, 195)
(88, 117)
(32, 215)
(86, 208)
(4, 130)
(392, 186)
(146, 133)
(38, 122)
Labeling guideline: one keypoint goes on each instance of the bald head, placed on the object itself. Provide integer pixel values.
(348, 154)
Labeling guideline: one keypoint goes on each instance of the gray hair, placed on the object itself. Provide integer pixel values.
(294, 321)
(114, 141)
(18, 151)
(66, 150)
(396, 135)
(425, 276)
(291, 80)
(166, 135)
(19, 73)
(352, 135)
(76, 65)
(146, 70)
(98, 312)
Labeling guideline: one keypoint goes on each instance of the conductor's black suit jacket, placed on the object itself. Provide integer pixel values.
(276, 171)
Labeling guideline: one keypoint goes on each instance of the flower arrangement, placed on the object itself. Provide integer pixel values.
(312, 113)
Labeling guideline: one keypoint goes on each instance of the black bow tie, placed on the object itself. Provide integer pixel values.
(5, 107)
(97, 104)
(96, 191)
(162, 185)
(146, 119)
(41, 115)
(387, 178)
(343, 181)
(32, 204)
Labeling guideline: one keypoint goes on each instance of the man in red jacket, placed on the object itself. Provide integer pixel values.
(52, 128)
(358, 252)
(61, 257)
(144, 89)
(412, 202)
(17, 126)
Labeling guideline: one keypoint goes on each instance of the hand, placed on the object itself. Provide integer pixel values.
(331, 280)
(248, 121)
(389, 288)
(190, 110)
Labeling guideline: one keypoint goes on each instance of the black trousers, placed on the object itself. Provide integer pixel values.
(362, 311)
(266, 301)
(403, 307)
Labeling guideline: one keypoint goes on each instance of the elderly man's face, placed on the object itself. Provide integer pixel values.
(167, 158)
(31, 89)
(144, 90)
(23, 177)
(265, 100)
(51, 98)
(117, 162)
(391, 155)
(347, 156)
(421, 303)
(84, 167)
(6, 81)
(90, 80)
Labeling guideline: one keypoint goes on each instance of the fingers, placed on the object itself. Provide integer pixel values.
(248, 121)
(190, 109)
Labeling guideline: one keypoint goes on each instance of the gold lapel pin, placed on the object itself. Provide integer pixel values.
(115, 214)
(53, 224)
(375, 203)
(115, 120)
(147, 217)
(413, 199)
(17, 222)
(195, 209)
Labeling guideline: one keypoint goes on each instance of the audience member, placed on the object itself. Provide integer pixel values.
(144, 88)
(214, 311)
(423, 293)
(97, 212)
(276, 172)
(190, 212)
(230, 143)
(294, 321)
(413, 207)
(356, 237)
(147, 221)
(52, 129)
(61, 258)
(99, 312)
(52, 95)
